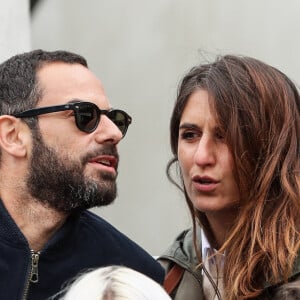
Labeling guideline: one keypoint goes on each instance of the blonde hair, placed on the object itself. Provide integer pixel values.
(114, 283)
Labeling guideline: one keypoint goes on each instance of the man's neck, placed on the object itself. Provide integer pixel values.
(37, 222)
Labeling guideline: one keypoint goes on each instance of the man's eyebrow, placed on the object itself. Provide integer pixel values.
(188, 126)
(74, 100)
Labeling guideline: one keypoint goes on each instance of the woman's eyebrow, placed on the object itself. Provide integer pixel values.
(188, 126)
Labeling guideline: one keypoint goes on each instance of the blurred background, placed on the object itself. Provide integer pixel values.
(140, 50)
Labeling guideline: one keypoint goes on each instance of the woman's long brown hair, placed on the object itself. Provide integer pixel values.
(258, 107)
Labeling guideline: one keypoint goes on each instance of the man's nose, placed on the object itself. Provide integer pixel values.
(107, 131)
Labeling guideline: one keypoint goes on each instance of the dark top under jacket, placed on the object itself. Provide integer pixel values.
(85, 241)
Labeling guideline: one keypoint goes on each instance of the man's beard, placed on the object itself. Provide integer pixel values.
(59, 182)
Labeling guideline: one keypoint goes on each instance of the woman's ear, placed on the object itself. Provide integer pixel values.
(14, 136)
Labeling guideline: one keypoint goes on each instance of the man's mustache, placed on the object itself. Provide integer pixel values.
(110, 150)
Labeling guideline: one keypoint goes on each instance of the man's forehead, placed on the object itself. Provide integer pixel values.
(55, 71)
(63, 82)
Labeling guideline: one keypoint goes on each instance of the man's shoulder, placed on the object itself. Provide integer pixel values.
(92, 226)
(100, 240)
(89, 218)
(99, 227)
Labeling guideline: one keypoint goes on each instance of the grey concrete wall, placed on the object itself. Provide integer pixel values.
(140, 50)
(15, 27)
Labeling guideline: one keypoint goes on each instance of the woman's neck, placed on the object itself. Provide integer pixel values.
(220, 224)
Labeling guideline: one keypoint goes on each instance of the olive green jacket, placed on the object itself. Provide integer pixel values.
(182, 253)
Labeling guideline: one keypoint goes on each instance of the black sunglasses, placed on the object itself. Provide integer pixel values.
(87, 115)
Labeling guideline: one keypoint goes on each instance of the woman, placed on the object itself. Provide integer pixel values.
(235, 132)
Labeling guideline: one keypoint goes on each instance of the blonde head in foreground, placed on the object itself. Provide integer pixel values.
(115, 283)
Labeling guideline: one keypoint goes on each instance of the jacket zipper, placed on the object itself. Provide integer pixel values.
(33, 274)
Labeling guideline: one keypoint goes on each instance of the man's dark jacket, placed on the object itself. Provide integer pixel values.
(85, 241)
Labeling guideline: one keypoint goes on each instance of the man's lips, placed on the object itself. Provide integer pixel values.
(108, 161)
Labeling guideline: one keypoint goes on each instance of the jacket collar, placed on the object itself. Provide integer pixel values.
(183, 251)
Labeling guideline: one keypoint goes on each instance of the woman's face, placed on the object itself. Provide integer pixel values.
(204, 158)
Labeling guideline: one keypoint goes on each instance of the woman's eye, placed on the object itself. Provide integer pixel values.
(188, 135)
(220, 135)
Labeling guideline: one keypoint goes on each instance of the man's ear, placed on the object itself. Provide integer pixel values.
(14, 136)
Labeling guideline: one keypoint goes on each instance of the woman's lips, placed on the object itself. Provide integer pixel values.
(205, 183)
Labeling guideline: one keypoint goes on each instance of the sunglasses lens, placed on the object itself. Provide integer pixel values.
(120, 119)
(87, 117)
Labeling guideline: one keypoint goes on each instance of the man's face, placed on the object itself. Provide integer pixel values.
(70, 169)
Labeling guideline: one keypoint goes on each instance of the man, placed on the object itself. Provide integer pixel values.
(58, 139)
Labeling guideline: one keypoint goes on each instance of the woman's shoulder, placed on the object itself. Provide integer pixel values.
(182, 251)
(183, 279)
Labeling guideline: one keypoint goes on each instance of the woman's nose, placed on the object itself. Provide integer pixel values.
(205, 152)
